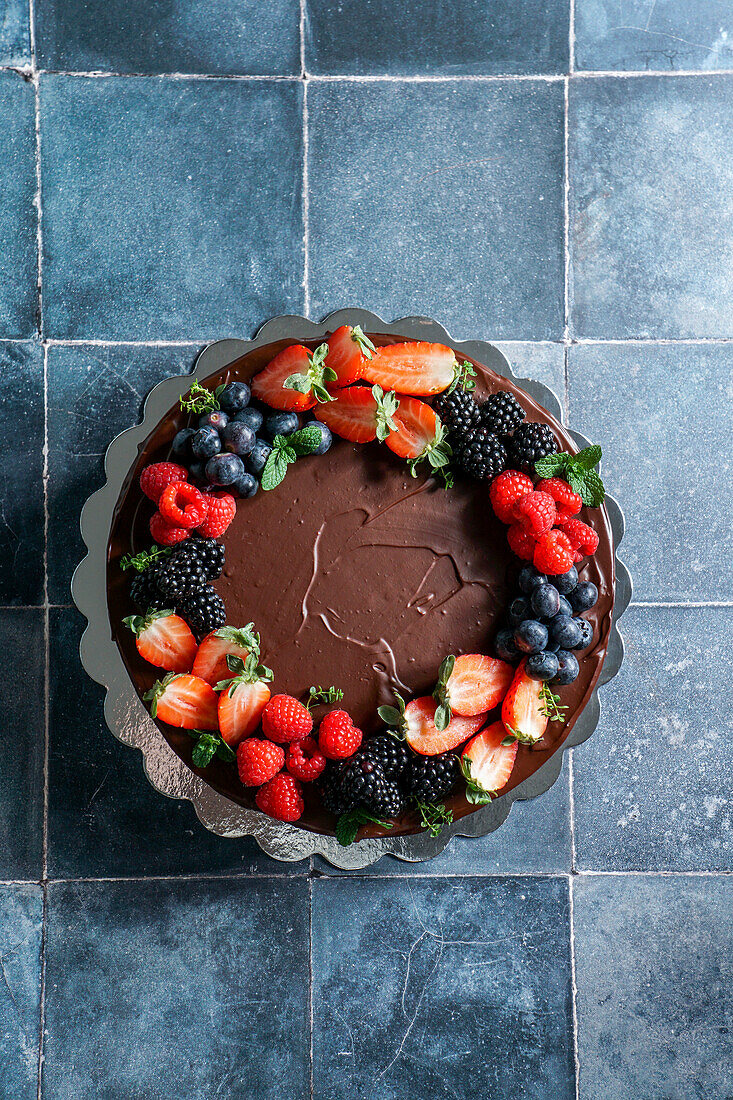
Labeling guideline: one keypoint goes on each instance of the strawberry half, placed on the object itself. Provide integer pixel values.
(471, 684)
(360, 413)
(243, 697)
(419, 435)
(184, 701)
(295, 379)
(424, 737)
(523, 710)
(348, 349)
(163, 639)
(211, 660)
(417, 368)
(486, 763)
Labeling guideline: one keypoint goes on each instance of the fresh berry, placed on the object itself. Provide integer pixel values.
(583, 596)
(181, 445)
(281, 423)
(156, 478)
(529, 443)
(363, 782)
(487, 763)
(477, 684)
(390, 801)
(326, 437)
(529, 578)
(545, 600)
(586, 631)
(253, 418)
(542, 666)
(501, 413)
(522, 711)
(238, 438)
(565, 583)
(535, 512)
(297, 365)
(583, 539)
(459, 413)
(258, 761)
(216, 419)
(305, 760)
(184, 701)
(164, 533)
(242, 698)
(392, 755)
(565, 631)
(431, 778)
(567, 502)
(228, 641)
(203, 610)
(416, 368)
(281, 798)
(144, 591)
(553, 553)
(520, 543)
(206, 443)
(506, 490)
(284, 719)
(246, 486)
(224, 469)
(506, 650)
(330, 789)
(519, 610)
(568, 668)
(178, 575)
(182, 505)
(348, 350)
(222, 510)
(197, 472)
(338, 737)
(419, 435)
(482, 454)
(163, 639)
(566, 608)
(234, 397)
(256, 460)
(353, 414)
(207, 552)
(423, 736)
(530, 636)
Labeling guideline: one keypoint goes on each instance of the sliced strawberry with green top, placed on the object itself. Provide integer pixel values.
(524, 711)
(487, 763)
(243, 697)
(420, 436)
(348, 350)
(360, 413)
(295, 380)
(184, 701)
(211, 660)
(422, 734)
(470, 684)
(163, 639)
(416, 368)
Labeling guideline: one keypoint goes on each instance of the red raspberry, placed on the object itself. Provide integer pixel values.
(535, 513)
(284, 719)
(222, 510)
(154, 479)
(553, 553)
(506, 490)
(338, 737)
(305, 760)
(583, 539)
(281, 798)
(182, 505)
(164, 533)
(258, 761)
(567, 502)
(520, 542)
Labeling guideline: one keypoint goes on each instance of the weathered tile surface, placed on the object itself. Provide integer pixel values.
(15, 39)
(541, 362)
(18, 223)
(21, 910)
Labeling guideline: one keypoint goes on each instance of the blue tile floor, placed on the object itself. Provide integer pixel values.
(554, 177)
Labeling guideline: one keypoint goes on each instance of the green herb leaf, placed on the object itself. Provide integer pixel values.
(395, 717)
(464, 377)
(387, 405)
(138, 623)
(348, 824)
(247, 671)
(366, 347)
(319, 694)
(433, 816)
(592, 492)
(305, 441)
(551, 465)
(550, 704)
(140, 562)
(204, 750)
(225, 752)
(199, 399)
(578, 472)
(475, 793)
(315, 378)
(153, 695)
(275, 469)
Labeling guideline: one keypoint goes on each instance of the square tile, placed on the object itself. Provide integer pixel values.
(93, 394)
(172, 208)
(175, 36)
(442, 988)
(439, 209)
(15, 37)
(22, 747)
(104, 817)
(651, 207)
(414, 38)
(652, 787)
(21, 913)
(637, 35)
(654, 978)
(663, 415)
(18, 223)
(21, 488)
(542, 362)
(202, 985)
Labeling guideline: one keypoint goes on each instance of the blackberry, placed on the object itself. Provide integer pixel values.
(331, 790)
(501, 413)
(203, 610)
(431, 778)
(529, 443)
(208, 552)
(482, 454)
(392, 755)
(178, 576)
(363, 782)
(144, 591)
(391, 801)
(458, 412)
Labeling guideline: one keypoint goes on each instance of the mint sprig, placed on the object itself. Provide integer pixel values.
(140, 562)
(387, 406)
(199, 399)
(208, 745)
(314, 379)
(348, 825)
(475, 793)
(286, 449)
(433, 816)
(578, 470)
(443, 712)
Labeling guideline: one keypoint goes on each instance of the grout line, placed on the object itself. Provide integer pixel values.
(310, 978)
(46, 724)
(681, 603)
(92, 342)
(566, 214)
(436, 78)
(648, 340)
(574, 988)
(573, 341)
(571, 39)
(34, 76)
(42, 996)
(306, 205)
(571, 813)
(104, 74)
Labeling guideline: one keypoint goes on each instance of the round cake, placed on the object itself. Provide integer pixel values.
(365, 574)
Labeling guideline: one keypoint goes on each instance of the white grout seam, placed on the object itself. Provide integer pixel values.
(574, 986)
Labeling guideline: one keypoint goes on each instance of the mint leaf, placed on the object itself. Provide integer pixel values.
(552, 465)
(306, 440)
(592, 491)
(588, 457)
(275, 469)
(209, 745)
(348, 824)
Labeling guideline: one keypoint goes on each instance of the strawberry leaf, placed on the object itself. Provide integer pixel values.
(475, 793)
(387, 405)
(366, 347)
(395, 718)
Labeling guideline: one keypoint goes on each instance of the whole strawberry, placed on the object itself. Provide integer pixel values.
(281, 798)
(338, 737)
(284, 719)
(506, 490)
(305, 760)
(535, 513)
(553, 553)
(567, 502)
(222, 510)
(258, 761)
(155, 479)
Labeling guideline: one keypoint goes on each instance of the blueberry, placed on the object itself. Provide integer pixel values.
(530, 636)
(206, 443)
(519, 610)
(566, 582)
(181, 445)
(238, 438)
(584, 596)
(246, 485)
(565, 607)
(542, 666)
(529, 578)
(545, 601)
(255, 461)
(566, 631)
(568, 668)
(505, 647)
(234, 397)
(326, 437)
(281, 423)
(215, 419)
(586, 634)
(224, 469)
(552, 647)
(251, 417)
(197, 472)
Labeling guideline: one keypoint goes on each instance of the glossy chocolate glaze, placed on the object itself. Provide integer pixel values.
(358, 575)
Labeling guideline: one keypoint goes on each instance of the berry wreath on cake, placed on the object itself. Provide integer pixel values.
(364, 585)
